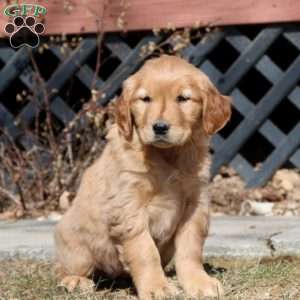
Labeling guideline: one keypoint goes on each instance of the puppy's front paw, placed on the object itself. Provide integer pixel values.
(71, 282)
(203, 285)
(159, 290)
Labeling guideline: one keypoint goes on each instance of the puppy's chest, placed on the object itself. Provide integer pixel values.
(174, 189)
(164, 215)
(165, 211)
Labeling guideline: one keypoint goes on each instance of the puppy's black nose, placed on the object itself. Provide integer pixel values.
(160, 127)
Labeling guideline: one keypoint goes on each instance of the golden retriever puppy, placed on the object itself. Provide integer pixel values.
(145, 199)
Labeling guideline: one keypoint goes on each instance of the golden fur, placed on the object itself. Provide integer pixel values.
(144, 200)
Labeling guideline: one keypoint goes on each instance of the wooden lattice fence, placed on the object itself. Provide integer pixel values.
(258, 66)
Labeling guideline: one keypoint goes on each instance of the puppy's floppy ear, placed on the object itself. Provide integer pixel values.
(123, 113)
(216, 110)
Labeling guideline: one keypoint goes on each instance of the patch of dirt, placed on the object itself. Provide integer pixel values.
(281, 196)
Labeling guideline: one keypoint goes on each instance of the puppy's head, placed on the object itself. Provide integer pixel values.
(167, 100)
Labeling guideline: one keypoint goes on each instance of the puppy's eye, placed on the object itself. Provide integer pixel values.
(181, 98)
(146, 99)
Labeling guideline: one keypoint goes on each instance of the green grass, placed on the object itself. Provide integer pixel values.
(264, 280)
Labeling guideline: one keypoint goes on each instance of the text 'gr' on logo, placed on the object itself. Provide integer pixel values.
(24, 29)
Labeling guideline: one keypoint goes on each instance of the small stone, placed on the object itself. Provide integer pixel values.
(217, 214)
(54, 216)
(286, 185)
(258, 208)
(286, 179)
(217, 178)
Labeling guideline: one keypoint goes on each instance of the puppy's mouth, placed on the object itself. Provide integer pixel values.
(161, 142)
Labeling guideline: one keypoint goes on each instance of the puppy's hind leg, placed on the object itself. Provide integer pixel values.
(74, 264)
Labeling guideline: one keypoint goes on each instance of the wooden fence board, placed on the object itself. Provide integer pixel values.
(256, 116)
(245, 61)
(15, 65)
(79, 16)
(197, 54)
(6, 118)
(71, 65)
(284, 149)
(85, 74)
(117, 46)
(243, 167)
(273, 73)
(129, 65)
(62, 111)
(295, 159)
(295, 96)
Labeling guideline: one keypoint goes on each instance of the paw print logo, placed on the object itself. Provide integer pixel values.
(24, 32)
